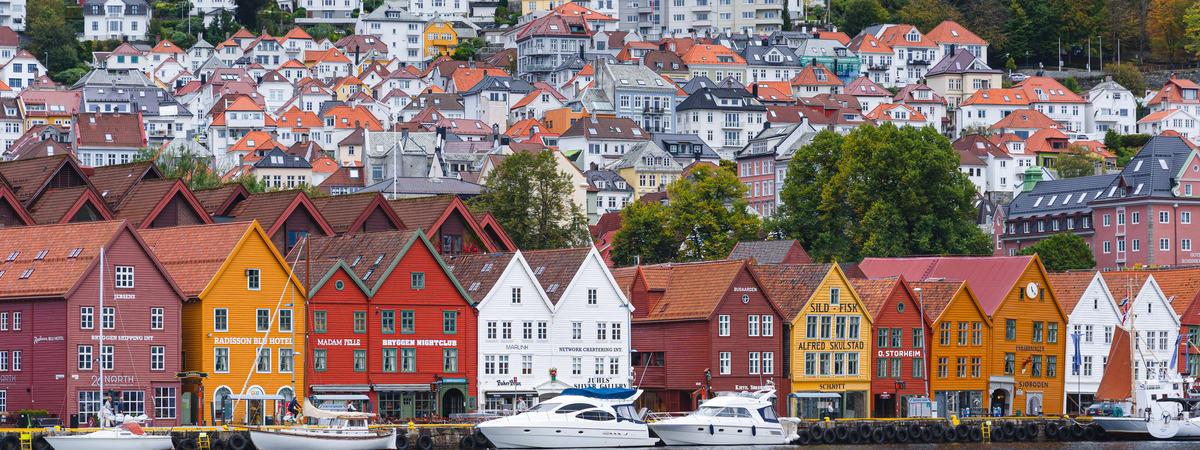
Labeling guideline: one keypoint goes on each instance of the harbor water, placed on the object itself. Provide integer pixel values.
(1053, 445)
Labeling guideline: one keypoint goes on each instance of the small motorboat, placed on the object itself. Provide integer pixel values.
(125, 436)
(577, 418)
(730, 418)
(334, 430)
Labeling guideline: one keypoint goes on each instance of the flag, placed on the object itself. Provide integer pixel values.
(1077, 359)
(1124, 307)
(1175, 354)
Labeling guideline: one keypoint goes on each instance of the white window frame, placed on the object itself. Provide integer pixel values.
(723, 325)
(259, 359)
(725, 362)
(220, 330)
(158, 357)
(217, 351)
(124, 277)
(157, 318)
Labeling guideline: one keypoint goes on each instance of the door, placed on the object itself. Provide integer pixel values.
(453, 402)
(999, 400)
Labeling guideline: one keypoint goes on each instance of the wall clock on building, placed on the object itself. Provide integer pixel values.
(745, 298)
(1031, 290)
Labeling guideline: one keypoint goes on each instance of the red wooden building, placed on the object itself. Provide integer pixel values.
(698, 318)
(899, 342)
(390, 324)
(50, 322)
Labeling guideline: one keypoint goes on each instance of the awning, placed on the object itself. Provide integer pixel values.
(256, 397)
(552, 387)
(341, 388)
(340, 397)
(402, 387)
(814, 395)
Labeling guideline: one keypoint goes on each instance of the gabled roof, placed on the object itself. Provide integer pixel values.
(1050, 88)
(347, 213)
(465, 79)
(555, 269)
(1069, 287)
(693, 290)
(270, 208)
(479, 273)
(863, 86)
(1061, 196)
(868, 43)
(811, 75)
(950, 32)
(1026, 118)
(792, 285)
(875, 293)
(71, 252)
(496, 234)
(116, 181)
(712, 54)
(979, 146)
(7, 197)
(896, 36)
(991, 277)
(29, 177)
(148, 199)
(63, 205)
(784, 251)
(997, 97)
(218, 200)
(429, 213)
(371, 257)
(1172, 91)
(197, 268)
(110, 130)
(936, 297)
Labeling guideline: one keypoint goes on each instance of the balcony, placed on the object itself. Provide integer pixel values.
(702, 7)
(735, 125)
(919, 62)
(539, 67)
(879, 67)
(160, 132)
(652, 110)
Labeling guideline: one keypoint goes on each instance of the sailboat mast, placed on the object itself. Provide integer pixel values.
(101, 336)
(1132, 336)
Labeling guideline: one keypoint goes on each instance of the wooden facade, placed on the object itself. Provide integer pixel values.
(704, 319)
(899, 362)
(959, 343)
(234, 312)
(51, 353)
(390, 322)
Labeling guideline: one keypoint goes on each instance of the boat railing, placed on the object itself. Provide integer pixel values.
(661, 416)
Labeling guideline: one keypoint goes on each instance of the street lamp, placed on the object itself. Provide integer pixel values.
(921, 308)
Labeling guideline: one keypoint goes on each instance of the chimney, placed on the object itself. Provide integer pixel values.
(766, 125)
(755, 89)
(951, 50)
(472, 63)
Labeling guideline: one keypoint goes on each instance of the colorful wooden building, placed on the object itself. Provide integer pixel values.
(959, 344)
(390, 326)
(244, 321)
(1028, 348)
(830, 331)
(51, 353)
(900, 362)
(700, 320)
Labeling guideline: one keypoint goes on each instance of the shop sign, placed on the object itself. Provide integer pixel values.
(419, 343)
(5, 379)
(37, 339)
(115, 380)
(1031, 348)
(745, 289)
(592, 349)
(832, 387)
(96, 337)
(833, 345)
(899, 353)
(824, 308)
(516, 347)
(512, 382)
(1033, 384)
(250, 341)
(338, 342)
(737, 387)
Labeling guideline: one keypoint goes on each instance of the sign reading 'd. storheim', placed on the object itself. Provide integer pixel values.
(96, 337)
(897, 353)
(419, 343)
(249, 341)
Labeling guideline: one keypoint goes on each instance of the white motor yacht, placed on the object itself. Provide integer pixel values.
(1183, 426)
(730, 418)
(335, 430)
(577, 418)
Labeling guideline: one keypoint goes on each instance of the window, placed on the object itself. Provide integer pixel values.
(723, 325)
(752, 325)
(156, 319)
(221, 359)
(387, 321)
(85, 357)
(108, 318)
(124, 277)
(263, 364)
(616, 331)
(319, 321)
(1164, 217)
(591, 296)
(1037, 332)
(319, 360)
(418, 280)
(897, 337)
(164, 403)
(977, 333)
(285, 321)
(408, 321)
(506, 331)
(450, 360)
(449, 322)
(601, 331)
(360, 360)
(263, 320)
(134, 402)
(962, 333)
(516, 295)
(725, 358)
(389, 360)
(253, 279)
(918, 338)
(285, 360)
(826, 327)
(834, 296)
(157, 357)
(767, 325)
(1164, 244)
(884, 341)
(1052, 332)
(1010, 329)
(1185, 216)
(85, 317)
(17, 321)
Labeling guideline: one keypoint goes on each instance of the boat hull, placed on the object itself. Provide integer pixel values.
(673, 433)
(1175, 430)
(567, 436)
(317, 439)
(1124, 428)
(85, 442)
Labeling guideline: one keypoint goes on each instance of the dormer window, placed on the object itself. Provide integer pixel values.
(913, 37)
(1189, 94)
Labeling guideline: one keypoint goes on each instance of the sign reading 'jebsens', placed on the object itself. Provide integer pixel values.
(419, 343)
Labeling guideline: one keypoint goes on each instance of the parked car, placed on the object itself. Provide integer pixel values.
(1017, 77)
(1102, 409)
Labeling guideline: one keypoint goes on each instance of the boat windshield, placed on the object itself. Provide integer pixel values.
(708, 411)
(627, 412)
(545, 407)
(574, 407)
(716, 411)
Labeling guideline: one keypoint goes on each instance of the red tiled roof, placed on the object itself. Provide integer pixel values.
(346, 213)
(110, 130)
(557, 268)
(194, 266)
(148, 198)
(707, 54)
(951, 32)
(215, 200)
(808, 77)
(268, 208)
(57, 273)
(60, 205)
(791, 285)
(991, 277)
(1069, 287)
(693, 289)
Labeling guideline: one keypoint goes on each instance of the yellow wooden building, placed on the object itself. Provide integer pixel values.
(243, 324)
(440, 38)
(830, 347)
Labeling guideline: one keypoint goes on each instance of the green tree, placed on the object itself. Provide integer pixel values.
(1062, 251)
(531, 199)
(644, 236)
(1016, 29)
(858, 14)
(252, 183)
(926, 14)
(324, 31)
(880, 191)
(978, 128)
(48, 33)
(70, 76)
(1072, 84)
(467, 49)
(1128, 76)
(708, 211)
(195, 170)
(1191, 21)
(1011, 65)
(1078, 162)
(1167, 27)
(787, 17)
(246, 12)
